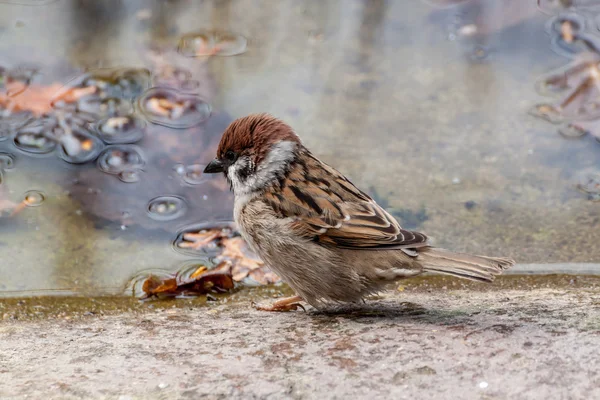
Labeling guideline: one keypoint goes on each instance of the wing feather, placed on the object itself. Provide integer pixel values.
(326, 207)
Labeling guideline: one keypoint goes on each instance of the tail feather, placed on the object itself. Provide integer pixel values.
(467, 266)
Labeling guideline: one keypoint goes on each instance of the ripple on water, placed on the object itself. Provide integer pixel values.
(568, 37)
(33, 138)
(129, 176)
(203, 239)
(33, 198)
(166, 208)
(135, 286)
(191, 174)
(212, 43)
(79, 147)
(121, 130)
(174, 109)
(7, 161)
(124, 161)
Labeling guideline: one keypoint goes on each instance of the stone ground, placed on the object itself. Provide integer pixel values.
(435, 340)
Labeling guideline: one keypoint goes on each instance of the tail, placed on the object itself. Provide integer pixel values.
(467, 266)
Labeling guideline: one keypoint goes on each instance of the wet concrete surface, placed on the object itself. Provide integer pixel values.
(431, 339)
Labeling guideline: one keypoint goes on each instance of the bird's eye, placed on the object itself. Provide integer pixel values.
(230, 155)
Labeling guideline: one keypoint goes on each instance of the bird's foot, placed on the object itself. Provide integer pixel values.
(283, 305)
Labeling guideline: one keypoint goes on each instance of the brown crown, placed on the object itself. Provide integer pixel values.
(254, 135)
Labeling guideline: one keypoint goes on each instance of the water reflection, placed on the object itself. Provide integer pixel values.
(423, 105)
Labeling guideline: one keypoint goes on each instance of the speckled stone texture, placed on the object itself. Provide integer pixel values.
(438, 344)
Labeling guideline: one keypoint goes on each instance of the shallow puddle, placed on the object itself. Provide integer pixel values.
(110, 110)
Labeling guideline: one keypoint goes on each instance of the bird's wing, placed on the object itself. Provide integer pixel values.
(326, 207)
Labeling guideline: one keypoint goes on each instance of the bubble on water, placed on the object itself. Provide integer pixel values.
(33, 198)
(191, 174)
(7, 161)
(121, 130)
(79, 147)
(203, 238)
(120, 159)
(33, 139)
(166, 208)
(558, 24)
(212, 43)
(568, 37)
(172, 108)
(130, 176)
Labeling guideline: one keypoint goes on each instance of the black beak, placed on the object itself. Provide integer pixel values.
(214, 167)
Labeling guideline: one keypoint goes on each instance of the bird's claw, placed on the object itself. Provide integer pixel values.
(278, 307)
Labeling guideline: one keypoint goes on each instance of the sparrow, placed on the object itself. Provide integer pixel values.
(327, 239)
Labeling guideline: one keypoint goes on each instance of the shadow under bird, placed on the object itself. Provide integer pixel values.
(328, 240)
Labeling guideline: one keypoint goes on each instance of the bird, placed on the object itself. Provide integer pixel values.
(327, 239)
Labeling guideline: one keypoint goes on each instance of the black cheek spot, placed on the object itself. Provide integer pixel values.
(244, 173)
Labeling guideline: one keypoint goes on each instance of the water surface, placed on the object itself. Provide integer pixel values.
(423, 104)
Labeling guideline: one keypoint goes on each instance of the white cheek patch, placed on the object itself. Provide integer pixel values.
(279, 156)
(234, 173)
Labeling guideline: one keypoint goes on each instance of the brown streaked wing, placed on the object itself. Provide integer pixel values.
(328, 208)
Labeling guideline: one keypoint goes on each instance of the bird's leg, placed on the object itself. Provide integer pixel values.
(286, 304)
